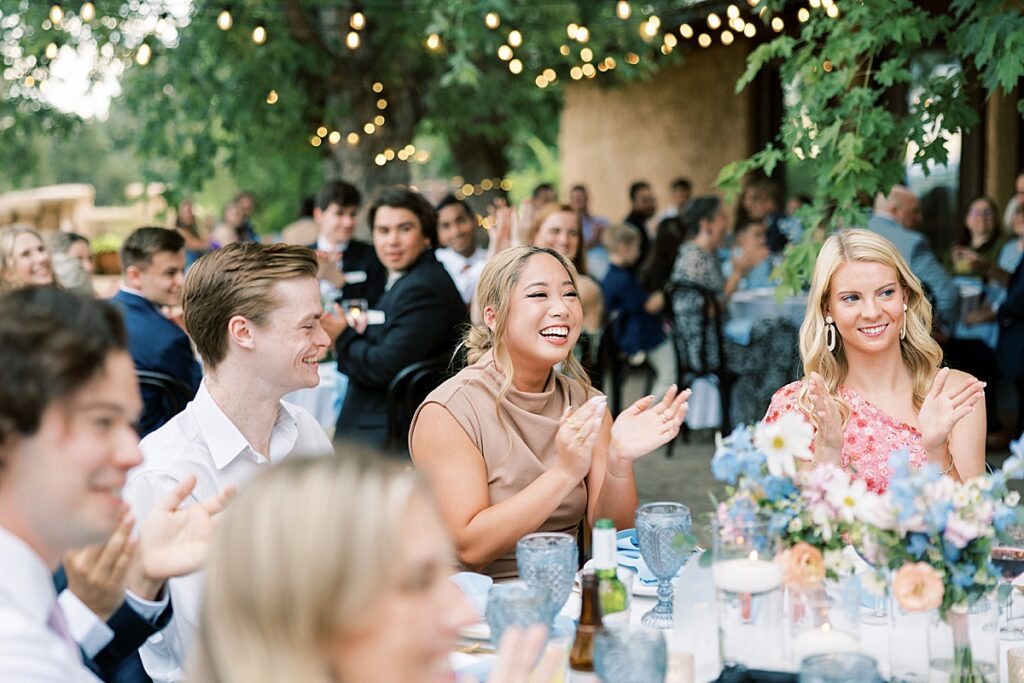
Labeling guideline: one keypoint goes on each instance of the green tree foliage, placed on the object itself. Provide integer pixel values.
(845, 132)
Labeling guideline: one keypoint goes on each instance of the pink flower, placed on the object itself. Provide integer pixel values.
(802, 566)
(917, 587)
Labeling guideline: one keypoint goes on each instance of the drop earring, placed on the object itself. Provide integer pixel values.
(903, 332)
(830, 333)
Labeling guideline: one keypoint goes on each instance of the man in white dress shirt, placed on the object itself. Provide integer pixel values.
(459, 253)
(68, 403)
(253, 311)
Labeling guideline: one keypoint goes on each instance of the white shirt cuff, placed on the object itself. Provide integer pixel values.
(85, 626)
(148, 609)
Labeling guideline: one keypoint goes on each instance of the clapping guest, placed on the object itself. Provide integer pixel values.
(422, 312)
(72, 261)
(513, 446)
(67, 405)
(24, 259)
(872, 379)
(253, 311)
(292, 604)
(152, 271)
(349, 268)
(458, 252)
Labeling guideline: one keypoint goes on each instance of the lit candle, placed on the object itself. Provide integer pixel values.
(746, 575)
(822, 640)
(355, 312)
(1015, 662)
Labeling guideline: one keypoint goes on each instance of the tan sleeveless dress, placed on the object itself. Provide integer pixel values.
(521, 449)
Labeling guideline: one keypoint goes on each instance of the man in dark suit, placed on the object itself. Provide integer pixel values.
(1010, 350)
(349, 268)
(417, 318)
(153, 270)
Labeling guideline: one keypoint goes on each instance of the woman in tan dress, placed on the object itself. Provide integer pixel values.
(514, 446)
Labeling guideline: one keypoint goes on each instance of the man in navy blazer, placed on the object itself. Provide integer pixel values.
(419, 316)
(1010, 349)
(349, 268)
(153, 270)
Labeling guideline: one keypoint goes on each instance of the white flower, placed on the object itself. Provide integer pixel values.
(796, 525)
(782, 441)
(1012, 498)
(845, 496)
(960, 531)
(837, 562)
(821, 516)
(876, 510)
(873, 582)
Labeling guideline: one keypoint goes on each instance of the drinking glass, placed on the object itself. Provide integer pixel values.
(825, 620)
(354, 308)
(1009, 559)
(847, 667)
(548, 562)
(514, 603)
(662, 530)
(636, 655)
(748, 595)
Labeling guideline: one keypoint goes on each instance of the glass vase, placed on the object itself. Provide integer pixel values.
(908, 643)
(964, 647)
(822, 619)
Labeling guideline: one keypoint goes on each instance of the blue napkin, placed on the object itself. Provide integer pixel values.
(629, 556)
(476, 587)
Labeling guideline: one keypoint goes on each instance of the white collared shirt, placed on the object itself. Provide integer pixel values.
(465, 272)
(202, 440)
(29, 649)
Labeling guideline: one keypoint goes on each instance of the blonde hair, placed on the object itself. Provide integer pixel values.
(921, 354)
(497, 281)
(299, 558)
(8, 236)
(579, 259)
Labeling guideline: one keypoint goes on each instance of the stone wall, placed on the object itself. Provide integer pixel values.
(684, 121)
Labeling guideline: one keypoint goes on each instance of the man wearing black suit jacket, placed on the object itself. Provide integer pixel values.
(153, 270)
(1010, 350)
(421, 308)
(349, 268)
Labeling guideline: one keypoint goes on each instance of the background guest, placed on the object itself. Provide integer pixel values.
(980, 241)
(642, 206)
(187, 225)
(638, 326)
(680, 192)
(349, 268)
(459, 253)
(227, 229)
(24, 259)
(72, 261)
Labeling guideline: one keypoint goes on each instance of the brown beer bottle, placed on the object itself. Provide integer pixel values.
(581, 657)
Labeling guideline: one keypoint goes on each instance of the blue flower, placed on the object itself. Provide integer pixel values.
(963, 575)
(780, 522)
(918, 545)
(725, 466)
(937, 515)
(777, 488)
(899, 461)
(950, 552)
(741, 439)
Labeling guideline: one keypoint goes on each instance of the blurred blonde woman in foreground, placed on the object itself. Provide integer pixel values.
(872, 379)
(337, 569)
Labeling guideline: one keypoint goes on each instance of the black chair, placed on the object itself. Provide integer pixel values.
(406, 392)
(174, 395)
(613, 365)
(711, 319)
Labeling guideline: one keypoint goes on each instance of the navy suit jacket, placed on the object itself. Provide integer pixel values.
(424, 314)
(360, 256)
(157, 344)
(1010, 350)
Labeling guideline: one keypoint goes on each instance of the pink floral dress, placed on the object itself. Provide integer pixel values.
(870, 435)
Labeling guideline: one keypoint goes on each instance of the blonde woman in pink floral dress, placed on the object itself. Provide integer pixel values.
(872, 379)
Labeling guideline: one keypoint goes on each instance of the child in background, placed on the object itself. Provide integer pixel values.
(637, 327)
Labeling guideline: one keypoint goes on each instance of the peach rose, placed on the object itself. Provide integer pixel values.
(802, 566)
(918, 587)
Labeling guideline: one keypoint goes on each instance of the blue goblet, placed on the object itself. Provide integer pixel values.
(626, 655)
(548, 562)
(663, 532)
(514, 603)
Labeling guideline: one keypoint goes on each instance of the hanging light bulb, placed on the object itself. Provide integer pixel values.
(623, 10)
(56, 13)
(358, 20)
(224, 20)
(144, 54)
(272, 97)
(51, 51)
(352, 40)
(433, 42)
(492, 20)
(515, 38)
(87, 12)
(259, 34)
(504, 53)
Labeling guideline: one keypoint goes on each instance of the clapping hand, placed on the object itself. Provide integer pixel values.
(943, 407)
(647, 425)
(828, 442)
(98, 574)
(577, 434)
(175, 541)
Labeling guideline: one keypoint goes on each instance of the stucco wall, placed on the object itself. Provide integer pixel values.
(684, 121)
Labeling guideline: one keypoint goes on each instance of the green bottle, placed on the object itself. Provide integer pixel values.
(614, 597)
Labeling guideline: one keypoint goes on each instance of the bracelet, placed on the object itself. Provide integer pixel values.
(949, 467)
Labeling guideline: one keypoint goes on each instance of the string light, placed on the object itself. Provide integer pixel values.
(433, 42)
(623, 10)
(564, 50)
(610, 63)
(589, 71)
(632, 58)
(492, 20)
(357, 21)
(704, 40)
(369, 128)
(378, 87)
(714, 21)
(504, 53)
(352, 40)
(803, 15)
(727, 37)
(515, 38)
(541, 81)
(832, 11)
(737, 24)
(686, 31)
(51, 51)
(334, 138)
(670, 40)
(315, 141)
(515, 66)
(380, 160)
(778, 24)
(272, 97)
(378, 120)
(550, 74)
(749, 30)
(576, 73)
(143, 55)
(572, 30)
(224, 20)
(649, 28)
(56, 14)
(353, 138)
(827, 66)
(587, 55)
(582, 34)
(87, 12)
(732, 12)
(259, 34)
(321, 131)
(382, 104)
(161, 25)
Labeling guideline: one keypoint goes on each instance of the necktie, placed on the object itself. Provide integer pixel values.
(59, 625)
